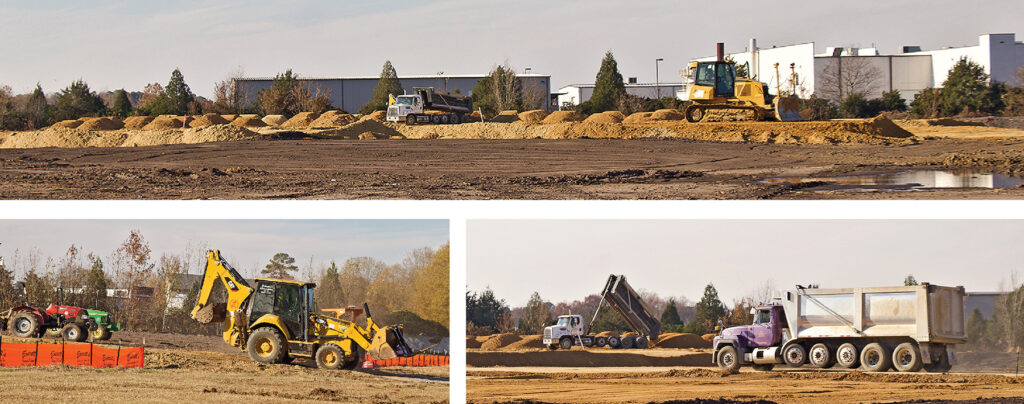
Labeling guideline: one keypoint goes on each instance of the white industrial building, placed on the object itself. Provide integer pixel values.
(574, 94)
(351, 93)
(908, 72)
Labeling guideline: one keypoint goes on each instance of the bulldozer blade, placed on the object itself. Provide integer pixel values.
(787, 109)
(212, 313)
(389, 343)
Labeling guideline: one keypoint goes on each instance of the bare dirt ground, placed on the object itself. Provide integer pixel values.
(682, 375)
(205, 369)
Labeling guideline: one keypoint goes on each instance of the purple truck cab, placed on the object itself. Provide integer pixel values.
(766, 330)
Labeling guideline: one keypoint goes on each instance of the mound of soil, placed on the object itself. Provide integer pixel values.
(606, 117)
(533, 116)
(379, 116)
(472, 342)
(882, 126)
(208, 120)
(70, 123)
(585, 358)
(951, 122)
(414, 325)
(505, 117)
(229, 117)
(102, 124)
(681, 340)
(362, 129)
(562, 117)
(527, 342)
(667, 115)
(137, 122)
(498, 341)
(164, 122)
(217, 133)
(274, 120)
(638, 117)
(708, 337)
(300, 120)
(248, 122)
(332, 119)
(607, 334)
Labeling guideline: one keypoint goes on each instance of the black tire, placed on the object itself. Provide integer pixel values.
(694, 114)
(445, 118)
(848, 356)
(24, 324)
(51, 332)
(435, 119)
(940, 364)
(795, 355)
(357, 359)
(875, 358)
(565, 343)
(821, 357)
(614, 342)
(73, 332)
(729, 359)
(764, 367)
(266, 345)
(907, 358)
(101, 333)
(601, 342)
(410, 119)
(462, 118)
(330, 356)
(642, 343)
(628, 342)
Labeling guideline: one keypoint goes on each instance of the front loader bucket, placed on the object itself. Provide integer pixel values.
(389, 343)
(787, 109)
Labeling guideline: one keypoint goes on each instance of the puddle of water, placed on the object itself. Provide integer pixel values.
(910, 180)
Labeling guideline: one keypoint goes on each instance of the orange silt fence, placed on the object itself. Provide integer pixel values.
(74, 354)
(416, 360)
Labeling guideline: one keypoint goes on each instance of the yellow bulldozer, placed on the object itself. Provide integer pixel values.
(714, 86)
(275, 321)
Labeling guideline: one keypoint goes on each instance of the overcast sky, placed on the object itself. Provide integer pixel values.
(246, 244)
(126, 44)
(568, 260)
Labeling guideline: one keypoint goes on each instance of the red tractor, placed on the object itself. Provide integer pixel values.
(28, 321)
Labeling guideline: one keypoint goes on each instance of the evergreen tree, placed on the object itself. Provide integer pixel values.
(708, 311)
(608, 86)
(77, 101)
(966, 89)
(484, 309)
(122, 105)
(8, 295)
(96, 285)
(483, 97)
(910, 281)
(330, 292)
(893, 101)
(670, 321)
(37, 110)
(535, 315)
(387, 85)
(977, 329)
(177, 97)
(280, 267)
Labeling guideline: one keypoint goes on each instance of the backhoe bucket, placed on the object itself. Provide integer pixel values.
(212, 313)
(389, 343)
(787, 109)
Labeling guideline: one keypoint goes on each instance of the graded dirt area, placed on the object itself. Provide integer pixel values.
(181, 366)
(372, 160)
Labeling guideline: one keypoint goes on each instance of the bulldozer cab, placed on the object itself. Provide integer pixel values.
(291, 301)
(719, 76)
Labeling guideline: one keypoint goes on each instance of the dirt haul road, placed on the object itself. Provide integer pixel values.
(193, 374)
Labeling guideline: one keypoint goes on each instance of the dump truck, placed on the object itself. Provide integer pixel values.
(569, 330)
(427, 105)
(906, 328)
(275, 321)
(715, 86)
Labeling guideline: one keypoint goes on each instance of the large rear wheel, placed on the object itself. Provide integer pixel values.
(628, 342)
(614, 342)
(357, 358)
(266, 345)
(642, 343)
(24, 324)
(820, 356)
(847, 356)
(875, 358)
(907, 358)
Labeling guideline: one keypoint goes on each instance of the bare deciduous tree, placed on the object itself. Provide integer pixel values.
(846, 75)
(230, 96)
(506, 88)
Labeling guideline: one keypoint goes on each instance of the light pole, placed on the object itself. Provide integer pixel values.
(657, 77)
(528, 69)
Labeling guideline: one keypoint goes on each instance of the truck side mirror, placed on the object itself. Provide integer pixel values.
(753, 311)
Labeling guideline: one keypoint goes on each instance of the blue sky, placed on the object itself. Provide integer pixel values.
(115, 44)
(247, 244)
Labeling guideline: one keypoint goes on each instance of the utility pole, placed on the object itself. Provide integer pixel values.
(657, 77)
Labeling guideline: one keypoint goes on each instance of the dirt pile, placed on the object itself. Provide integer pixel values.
(527, 342)
(300, 120)
(164, 122)
(498, 341)
(362, 129)
(332, 119)
(606, 117)
(473, 342)
(667, 115)
(248, 122)
(208, 120)
(70, 123)
(379, 116)
(562, 117)
(708, 337)
(137, 122)
(229, 117)
(102, 124)
(587, 358)
(681, 341)
(533, 116)
(217, 133)
(77, 137)
(638, 117)
(274, 120)
(505, 117)
(951, 122)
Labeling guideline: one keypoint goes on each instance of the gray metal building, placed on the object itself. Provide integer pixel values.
(351, 93)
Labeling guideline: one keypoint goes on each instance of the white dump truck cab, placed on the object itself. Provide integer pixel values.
(563, 333)
(404, 106)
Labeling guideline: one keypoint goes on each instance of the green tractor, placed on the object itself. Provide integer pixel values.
(104, 325)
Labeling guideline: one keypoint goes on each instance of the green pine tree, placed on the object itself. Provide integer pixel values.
(535, 315)
(608, 86)
(967, 89)
(37, 110)
(77, 101)
(122, 105)
(177, 96)
(670, 320)
(280, 267)
(387, 84)
(893, 101)
(708, 311)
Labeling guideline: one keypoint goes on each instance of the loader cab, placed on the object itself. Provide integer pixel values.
(712, 79)
(290, 301)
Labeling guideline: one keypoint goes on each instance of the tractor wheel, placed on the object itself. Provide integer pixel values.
(266, 345)
(410, 119)
(73, 332)
(694, 113)
(358, 355)
(101, 333)
(330, 356)
(24, 324)
(565, 343)
(729, 359)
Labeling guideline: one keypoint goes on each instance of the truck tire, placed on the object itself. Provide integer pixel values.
(24, 324)
(875, 358)
(729, 359)
(642, 343)
(614, 342)
(357, 360)
(565, 343)
(820, 356)
(463, 118)
(764, 367)
(435, 119)
(101, 333)
(940, 364)
(795, 355)
(410, 119)
(445, 119)
(847, 356)
(907, 358)
(330, 356)
(601, 342)
(628, 342)
(266, 345)
(73, 332)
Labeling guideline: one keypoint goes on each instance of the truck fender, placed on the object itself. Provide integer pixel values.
(724, 343)
(271, 320)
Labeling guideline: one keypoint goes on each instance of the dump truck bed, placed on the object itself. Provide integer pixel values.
(443, 101)
(631, 307)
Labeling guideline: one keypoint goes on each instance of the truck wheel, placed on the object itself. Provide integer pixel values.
(939, 364)
(565, 343)
(628, 342)
(847, 356)
(73, 332)
(601, 342)
(795, 355)
(357, 358)
(820, 356)
(266, 345)
(614, 342)
(410, 119)
(728, 358)
(641, 343)
(435, 119)
(875, 358)
(906, 358)
(764, 367)
(24, 324)
(329, 356)
(462, 118)
(101, 333)
(444, 119)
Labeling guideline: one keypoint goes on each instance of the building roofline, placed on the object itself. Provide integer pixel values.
(421, 76)
(665, 84)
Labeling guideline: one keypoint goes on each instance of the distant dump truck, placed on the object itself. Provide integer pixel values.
(905, 327)
(569, 330)
(427, 105)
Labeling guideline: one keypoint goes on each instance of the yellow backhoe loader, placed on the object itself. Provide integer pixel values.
(716, 87)
(275, 321)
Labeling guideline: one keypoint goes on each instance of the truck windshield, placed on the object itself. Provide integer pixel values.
(404, 100)
(563, 322)
(763, 317)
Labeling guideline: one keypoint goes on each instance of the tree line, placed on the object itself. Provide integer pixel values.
(149, 293)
